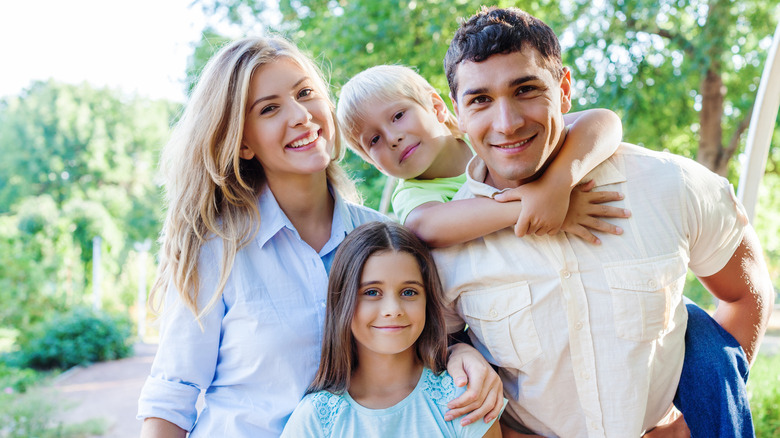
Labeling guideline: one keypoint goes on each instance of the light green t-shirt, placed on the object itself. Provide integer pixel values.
(420, 414)
(412, 193)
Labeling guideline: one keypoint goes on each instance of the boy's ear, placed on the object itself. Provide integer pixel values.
(439, 107)
(245, 152)
(566, 91)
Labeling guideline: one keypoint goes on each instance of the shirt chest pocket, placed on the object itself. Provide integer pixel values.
(645, 293)
(501, 319)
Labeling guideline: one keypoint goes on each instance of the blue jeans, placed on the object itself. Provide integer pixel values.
(711, 394)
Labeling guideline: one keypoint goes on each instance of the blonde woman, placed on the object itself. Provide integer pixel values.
(257, 206)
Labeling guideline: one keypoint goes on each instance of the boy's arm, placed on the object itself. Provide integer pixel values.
(442, 224)
(593, 136)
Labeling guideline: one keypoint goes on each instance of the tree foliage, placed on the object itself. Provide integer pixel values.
(78, 162)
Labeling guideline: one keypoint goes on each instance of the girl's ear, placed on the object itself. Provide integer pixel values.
(439, 107)
(245, 152)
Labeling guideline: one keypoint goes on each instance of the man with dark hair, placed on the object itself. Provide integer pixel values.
(591, 340)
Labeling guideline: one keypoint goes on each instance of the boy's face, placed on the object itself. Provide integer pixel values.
(512, 109)
(403, 138)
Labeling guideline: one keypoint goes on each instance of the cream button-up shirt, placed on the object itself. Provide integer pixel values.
(590, 339)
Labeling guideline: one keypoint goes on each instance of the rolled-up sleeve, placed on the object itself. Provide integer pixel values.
(187, 355)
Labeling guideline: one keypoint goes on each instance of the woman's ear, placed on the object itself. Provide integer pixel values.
(245, 152)
(439, 107)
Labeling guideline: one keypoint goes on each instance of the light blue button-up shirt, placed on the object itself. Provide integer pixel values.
(260, 345)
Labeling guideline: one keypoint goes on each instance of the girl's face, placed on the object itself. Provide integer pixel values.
(289, 126)
(403, 138)
(390, 311)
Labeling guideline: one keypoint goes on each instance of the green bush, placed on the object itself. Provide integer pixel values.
(764, 392)
(77, 337)
(34, 415)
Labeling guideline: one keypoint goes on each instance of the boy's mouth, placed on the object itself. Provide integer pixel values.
(408, 151)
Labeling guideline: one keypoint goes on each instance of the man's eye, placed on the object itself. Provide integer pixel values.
(479, 99)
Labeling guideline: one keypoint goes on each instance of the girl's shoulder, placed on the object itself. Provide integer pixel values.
(440, 388)
(315, 415)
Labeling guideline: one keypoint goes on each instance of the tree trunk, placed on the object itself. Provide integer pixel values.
(711, 152)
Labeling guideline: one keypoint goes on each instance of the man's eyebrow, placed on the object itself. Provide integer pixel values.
(513, 83)
(274, 96)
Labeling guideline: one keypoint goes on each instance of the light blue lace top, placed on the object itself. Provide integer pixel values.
(420, 414)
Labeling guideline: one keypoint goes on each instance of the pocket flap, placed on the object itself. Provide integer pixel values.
(646, 275)
(496, 303)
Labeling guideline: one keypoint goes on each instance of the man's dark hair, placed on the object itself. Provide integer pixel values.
(494, 31)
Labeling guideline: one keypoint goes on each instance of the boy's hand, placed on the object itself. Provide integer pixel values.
(485, 394)
(585, 209)
(544, 207)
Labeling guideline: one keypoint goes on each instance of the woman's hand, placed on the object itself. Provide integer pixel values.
(484, 397)
(585, 209)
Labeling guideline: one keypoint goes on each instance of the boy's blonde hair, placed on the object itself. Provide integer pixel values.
(382, 83)
(209, 190)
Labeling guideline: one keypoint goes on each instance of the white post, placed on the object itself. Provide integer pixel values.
(762, 125)
(96, 292)
(143, 250)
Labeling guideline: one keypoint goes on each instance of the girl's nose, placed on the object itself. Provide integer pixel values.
(391, 307)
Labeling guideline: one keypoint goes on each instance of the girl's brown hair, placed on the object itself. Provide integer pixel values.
(339, 352)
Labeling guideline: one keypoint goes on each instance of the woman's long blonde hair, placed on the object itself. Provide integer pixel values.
(209, 190)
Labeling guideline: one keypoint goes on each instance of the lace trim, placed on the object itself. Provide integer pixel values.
(327, 406)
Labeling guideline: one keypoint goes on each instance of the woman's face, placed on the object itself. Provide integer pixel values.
(289, 127)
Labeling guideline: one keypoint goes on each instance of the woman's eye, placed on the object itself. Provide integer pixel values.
(305, 92)
(268, 109)
(398, 116)
(408, 293)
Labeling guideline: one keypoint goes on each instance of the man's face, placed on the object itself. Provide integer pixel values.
(512, 109)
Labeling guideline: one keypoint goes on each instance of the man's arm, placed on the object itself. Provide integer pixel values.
(745, 291)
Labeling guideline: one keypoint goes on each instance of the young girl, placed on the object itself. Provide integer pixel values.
(257, 206)
(381, 371)
(394, 119)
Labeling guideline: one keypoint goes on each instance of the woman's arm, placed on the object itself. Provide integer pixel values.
(593, 136)
(159, 428)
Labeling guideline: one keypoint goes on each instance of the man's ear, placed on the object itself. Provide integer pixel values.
(457, 115)
(245, 152)
(566, 91)
(439, 107)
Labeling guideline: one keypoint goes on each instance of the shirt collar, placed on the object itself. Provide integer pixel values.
(273, 220)
(476, 172)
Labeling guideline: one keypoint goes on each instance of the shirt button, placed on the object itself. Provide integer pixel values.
(566, 274)
(578, 326)
(594, 426)
(493, 313)
(584, 375)
(651, 283)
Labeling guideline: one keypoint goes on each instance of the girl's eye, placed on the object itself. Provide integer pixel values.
(268, 109)
(373, 140)
(305, 92)
(371, 293)
(409, 293)
(398, 116)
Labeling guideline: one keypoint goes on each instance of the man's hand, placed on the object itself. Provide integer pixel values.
(485, 394)
(672, 426)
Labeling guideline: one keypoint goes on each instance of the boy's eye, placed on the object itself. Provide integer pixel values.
(409, 293)
(373, 140)
(398, 115)
(305, 92)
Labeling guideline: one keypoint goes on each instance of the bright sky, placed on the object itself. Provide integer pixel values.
(136, 45)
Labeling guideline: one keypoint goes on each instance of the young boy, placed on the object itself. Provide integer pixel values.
(394, 119)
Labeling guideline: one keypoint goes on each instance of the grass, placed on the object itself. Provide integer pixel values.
(764, 392)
